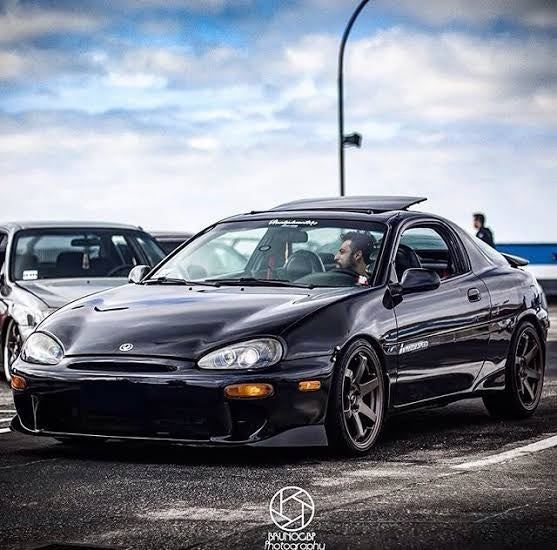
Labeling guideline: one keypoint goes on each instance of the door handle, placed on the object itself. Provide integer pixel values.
(474, 295)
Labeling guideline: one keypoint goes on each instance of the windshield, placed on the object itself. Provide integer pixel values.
(80, 253)
(313, 252)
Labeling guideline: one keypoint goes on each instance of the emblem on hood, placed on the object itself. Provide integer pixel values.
(126, 347)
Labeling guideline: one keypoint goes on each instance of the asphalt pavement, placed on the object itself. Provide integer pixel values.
(440, 478)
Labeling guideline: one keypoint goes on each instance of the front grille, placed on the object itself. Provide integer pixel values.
(121, 366)
(114, 408)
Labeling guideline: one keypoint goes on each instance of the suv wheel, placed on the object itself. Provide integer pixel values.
(11, 348)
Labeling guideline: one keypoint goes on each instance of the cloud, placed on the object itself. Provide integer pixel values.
(18, 24)
(180, 65)
(178, 129)
(103, 168)
(542, 13)
(396, 76)
(33, 66)
(535, 13)
(409, 77)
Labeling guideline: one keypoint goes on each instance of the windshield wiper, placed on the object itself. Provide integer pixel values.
(252, 281)
(176, 281)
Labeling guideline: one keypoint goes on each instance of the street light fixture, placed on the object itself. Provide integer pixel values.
(352, 139)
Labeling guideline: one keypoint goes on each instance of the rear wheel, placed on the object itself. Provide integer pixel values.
(524, 374)
(357, 401)
(11, 347)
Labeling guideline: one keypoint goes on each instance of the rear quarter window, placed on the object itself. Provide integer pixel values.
(490, 253)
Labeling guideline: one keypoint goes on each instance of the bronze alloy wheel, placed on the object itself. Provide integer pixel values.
(11, 347)
(529, 368)
(357, 400)
(524, 374)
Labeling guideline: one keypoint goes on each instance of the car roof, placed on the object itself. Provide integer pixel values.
(170, 234)
(362, 208)
(17, 226)
(366, 204)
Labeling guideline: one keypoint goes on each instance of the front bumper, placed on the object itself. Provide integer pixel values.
(171, 401)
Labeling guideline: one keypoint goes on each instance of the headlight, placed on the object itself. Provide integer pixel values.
(27, 316)
(259, 353)
(42, 350)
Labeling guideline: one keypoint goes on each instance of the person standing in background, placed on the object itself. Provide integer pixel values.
(483, 232)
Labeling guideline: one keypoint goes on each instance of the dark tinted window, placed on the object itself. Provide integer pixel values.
(151, 249)
(429, 247)
(289, 250)
(490, 253)
(73, 253)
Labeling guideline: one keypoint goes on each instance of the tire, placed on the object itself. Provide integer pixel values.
(11, 346)
(524, 374)
(357, 401)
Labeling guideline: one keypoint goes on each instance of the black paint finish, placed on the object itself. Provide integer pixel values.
(436, 346)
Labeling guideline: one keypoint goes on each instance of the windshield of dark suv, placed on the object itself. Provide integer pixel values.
(80, 253)
(287, 252)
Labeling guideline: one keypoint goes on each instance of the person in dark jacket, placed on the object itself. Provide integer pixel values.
(483, 232)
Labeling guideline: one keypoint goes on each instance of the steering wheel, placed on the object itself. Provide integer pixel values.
(346, 271)
(303, 262)
(119, 268)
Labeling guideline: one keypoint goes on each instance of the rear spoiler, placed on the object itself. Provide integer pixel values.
(515, 261)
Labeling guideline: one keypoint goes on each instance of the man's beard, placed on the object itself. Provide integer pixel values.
(351, 266)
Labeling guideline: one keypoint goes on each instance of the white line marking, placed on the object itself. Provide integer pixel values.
(509, 455)
(7, 411)
(493, 516)
(5, 419)
(5, 430)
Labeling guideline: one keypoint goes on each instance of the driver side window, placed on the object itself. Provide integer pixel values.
(429, 248)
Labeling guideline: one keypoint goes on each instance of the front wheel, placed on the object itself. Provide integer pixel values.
(524, 374)
(357, 401)
(11, 347)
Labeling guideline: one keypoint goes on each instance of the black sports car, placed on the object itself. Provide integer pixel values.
(336, 313)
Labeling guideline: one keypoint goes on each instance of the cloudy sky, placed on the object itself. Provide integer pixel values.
(173, 113)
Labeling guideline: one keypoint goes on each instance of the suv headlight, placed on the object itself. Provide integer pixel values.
(26, 316)
(259, 353)
(42, 349)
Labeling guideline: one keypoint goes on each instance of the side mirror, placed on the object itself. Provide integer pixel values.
(137, 274)
(4, 290)
(419, 280)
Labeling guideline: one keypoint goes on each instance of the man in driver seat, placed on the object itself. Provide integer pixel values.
(354, 254)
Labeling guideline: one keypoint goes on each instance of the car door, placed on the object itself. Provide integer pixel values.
(3, 275)
(442, 334)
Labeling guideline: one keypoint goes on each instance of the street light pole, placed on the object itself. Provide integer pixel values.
(341, 91)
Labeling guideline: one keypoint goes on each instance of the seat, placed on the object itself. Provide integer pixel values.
(302, 263)
(69, 264)
(26, 262)
(100, 267)
(406, 258)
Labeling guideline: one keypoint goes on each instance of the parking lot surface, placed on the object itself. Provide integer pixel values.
(440, 478)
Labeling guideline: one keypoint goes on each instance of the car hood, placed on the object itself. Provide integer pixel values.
(56, 293)
(178, 321)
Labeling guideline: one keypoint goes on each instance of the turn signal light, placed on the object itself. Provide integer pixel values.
(309, 385)
(18, 382)
(248, 391)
